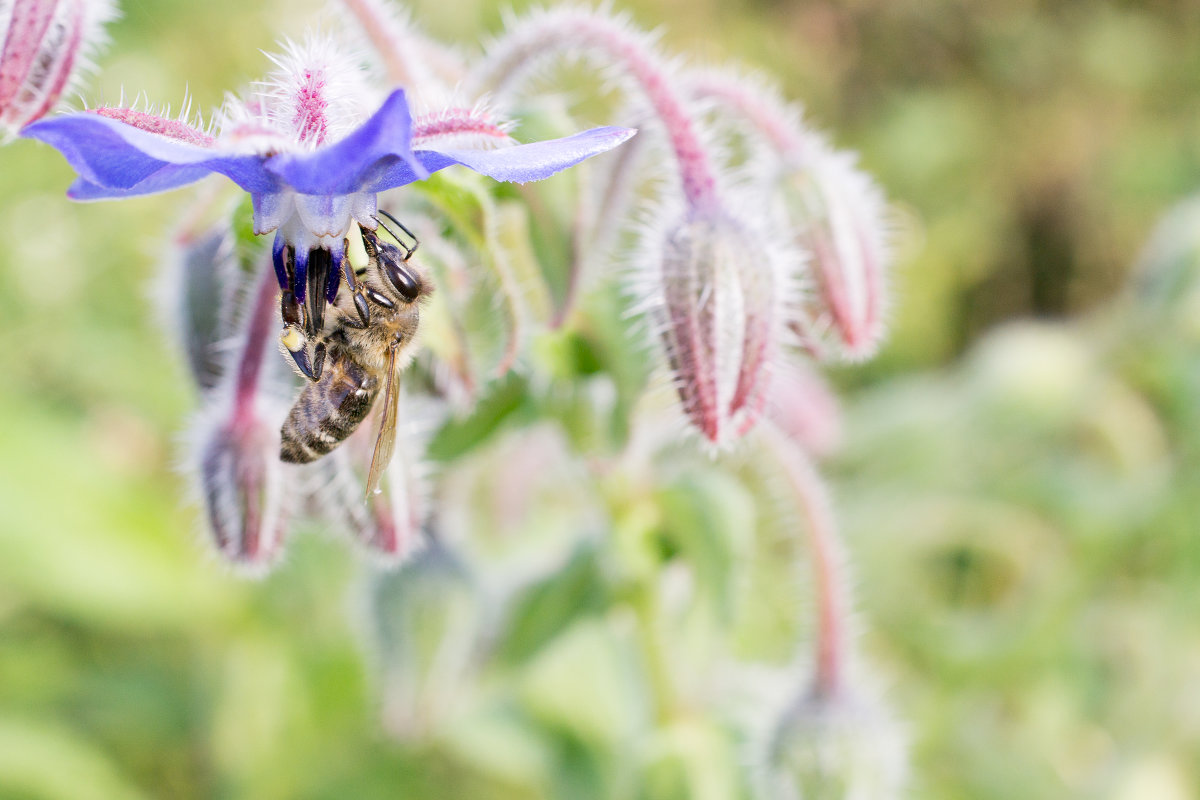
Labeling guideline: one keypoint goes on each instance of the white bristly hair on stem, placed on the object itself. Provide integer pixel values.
(535, 40)
(408, 58)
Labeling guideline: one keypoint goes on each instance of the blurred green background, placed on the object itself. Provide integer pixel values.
(1020, 500)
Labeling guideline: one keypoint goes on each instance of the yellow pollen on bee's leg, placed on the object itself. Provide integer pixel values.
(292, 339)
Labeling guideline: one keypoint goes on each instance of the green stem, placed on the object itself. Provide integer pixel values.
(644, 603)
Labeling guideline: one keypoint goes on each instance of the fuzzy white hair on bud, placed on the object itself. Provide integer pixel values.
(838, 213)
(239, 483)
(475, 128)
(46, 49)
(847, 747)
(317, 93)
(841, 218)
(715, 291)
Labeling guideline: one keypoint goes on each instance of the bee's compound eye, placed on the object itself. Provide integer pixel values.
(405, 281)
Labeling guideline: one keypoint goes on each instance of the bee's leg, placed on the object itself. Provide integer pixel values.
(293, 338)
(380, 298)
(296, 343)
(356, 291)
(371, 243)
(318, 361)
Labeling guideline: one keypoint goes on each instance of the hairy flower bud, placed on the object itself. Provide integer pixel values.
(242, 484)
(46, 43)
(388, 523)
(192, 297)
(240, 477)
(719, 293)
(837, 212)
(834, 747)
(839, 216)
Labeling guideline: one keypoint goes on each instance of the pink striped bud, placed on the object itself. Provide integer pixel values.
(47, 43)
(840, 218)
(242, 485)
(720, 295)
(838, 213)
(241, 479)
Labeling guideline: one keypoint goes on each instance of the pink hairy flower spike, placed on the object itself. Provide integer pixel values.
(838, 213)
(461, 127)
(46, 46)
(316, 94)
(153, 123)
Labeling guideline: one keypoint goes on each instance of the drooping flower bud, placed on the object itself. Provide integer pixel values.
(192, 296)
(240, 477)
(425, 620)
(389, 522)
(242, 485)
(840, 220)
(838, 214)
(46, 44)
(840, 747)
(720, 322)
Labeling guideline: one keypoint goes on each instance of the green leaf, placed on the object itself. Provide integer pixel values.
(708, 519)
(548, 607)
(493, 410)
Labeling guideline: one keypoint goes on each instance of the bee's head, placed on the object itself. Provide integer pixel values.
(401, 276)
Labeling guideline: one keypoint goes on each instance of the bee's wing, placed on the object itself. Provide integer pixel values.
(385, 443)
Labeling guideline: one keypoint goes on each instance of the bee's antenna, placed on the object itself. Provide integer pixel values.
(408, 251)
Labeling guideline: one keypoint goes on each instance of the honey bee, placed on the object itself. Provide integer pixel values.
(360, 352)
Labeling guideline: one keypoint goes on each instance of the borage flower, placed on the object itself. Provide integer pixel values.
(308, 185)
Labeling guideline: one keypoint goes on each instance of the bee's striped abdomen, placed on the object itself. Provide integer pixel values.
(328, 411)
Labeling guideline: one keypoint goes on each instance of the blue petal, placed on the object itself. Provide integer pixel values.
(519, 164)
(381, 145)
(168, 177)
(115, 155)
